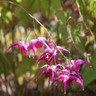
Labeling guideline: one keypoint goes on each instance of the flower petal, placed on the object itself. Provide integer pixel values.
(62, 49)
(80, 61)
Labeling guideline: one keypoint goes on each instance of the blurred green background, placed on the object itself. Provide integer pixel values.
(18, 78)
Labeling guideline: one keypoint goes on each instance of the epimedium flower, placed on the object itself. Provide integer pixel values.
(67, 77)
(50, 53)
(71, 73)
(74, 64)
(37, 43)
(22, 45)
(49, 71)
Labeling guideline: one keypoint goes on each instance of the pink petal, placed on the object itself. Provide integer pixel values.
(44, 41)
(58, 60)
(33, 50)
(23, 57)
(39, 44)
(62, 49)
(59, 77)
(55, 60)
(43, 67)
(77, 78)
(80, 82)
(80, 61)
(16, 43)
(22, 45)
(41, 58)
(44, 52)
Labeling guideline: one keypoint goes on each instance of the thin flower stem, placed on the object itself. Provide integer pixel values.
(38, 23)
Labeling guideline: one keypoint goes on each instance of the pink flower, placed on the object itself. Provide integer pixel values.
(71, 73)
(37, 43)
(74, 64)
(67, 79)
(50, 53)
(22, 45)
(49, 71)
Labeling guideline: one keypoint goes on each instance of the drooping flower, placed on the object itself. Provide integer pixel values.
(37, 43)
(22, 45)
(49, 71)
(47, 55)
(67, 77)
(74, 64)
(50, 53)
(71, 73)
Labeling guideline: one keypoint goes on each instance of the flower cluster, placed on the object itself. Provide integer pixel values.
(25, 47)
(71, 73)
(67, 73)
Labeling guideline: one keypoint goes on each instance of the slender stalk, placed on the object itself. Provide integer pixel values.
(38, 23)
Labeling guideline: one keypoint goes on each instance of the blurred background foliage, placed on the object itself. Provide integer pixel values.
(18, 78)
